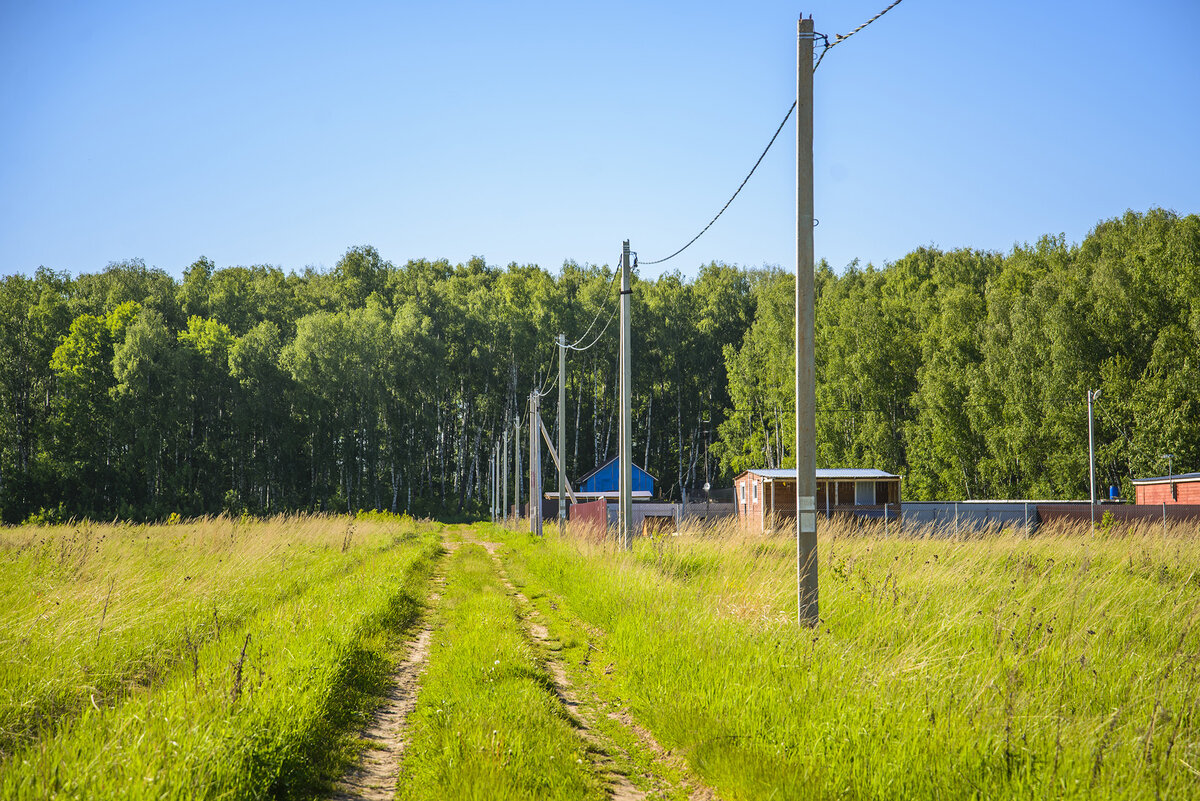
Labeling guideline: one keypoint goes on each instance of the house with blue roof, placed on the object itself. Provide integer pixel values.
(602, 482)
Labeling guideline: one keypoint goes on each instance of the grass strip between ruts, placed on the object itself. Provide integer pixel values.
(487, 724)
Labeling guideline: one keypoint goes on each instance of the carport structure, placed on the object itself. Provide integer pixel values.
(764, 498)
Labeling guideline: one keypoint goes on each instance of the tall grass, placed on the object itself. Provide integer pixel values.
(88, 611)
(1063, 665)
(487, 724)
(252, 700)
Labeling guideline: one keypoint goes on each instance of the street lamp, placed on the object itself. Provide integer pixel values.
(1168, 457)
(1092, 396)
(1170, 476)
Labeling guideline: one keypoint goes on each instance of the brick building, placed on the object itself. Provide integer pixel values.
(1180, 489)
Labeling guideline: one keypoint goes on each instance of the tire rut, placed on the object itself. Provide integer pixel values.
(374, 778)
(583, 707)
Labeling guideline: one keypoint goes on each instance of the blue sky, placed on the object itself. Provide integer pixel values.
(285, 133)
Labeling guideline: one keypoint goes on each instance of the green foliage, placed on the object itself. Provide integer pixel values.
(966, 372)
(383, 386)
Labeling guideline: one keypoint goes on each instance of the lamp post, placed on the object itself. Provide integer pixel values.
(1168, 457)
(1092, 396)
(1170, 481)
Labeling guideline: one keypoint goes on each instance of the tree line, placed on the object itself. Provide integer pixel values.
(966, 372)
(129, 393)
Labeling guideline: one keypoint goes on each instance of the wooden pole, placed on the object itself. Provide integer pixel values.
(535, 465)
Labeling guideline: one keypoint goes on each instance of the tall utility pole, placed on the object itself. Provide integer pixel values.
(625, 471)
(806, 388)
(562, 433)
(504, 479)
(1092, 396)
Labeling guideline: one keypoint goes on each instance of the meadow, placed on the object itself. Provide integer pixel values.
(238, 658)
(214, 658)
(999, 666)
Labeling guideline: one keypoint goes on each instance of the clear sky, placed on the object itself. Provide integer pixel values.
(285, 133)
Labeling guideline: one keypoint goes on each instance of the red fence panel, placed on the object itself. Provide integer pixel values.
(1120, 513)
(590, 519)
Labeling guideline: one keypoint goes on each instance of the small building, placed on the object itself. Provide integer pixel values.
(764, 497)
(1178, 489)
(602, 482)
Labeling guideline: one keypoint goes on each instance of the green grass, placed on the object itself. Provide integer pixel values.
(91, 611)
(487, 724)
(1062, 666)
(265, 705)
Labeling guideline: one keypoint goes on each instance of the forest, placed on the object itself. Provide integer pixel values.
(129, 393)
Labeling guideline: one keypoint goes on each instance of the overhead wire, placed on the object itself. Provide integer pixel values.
(583, 336)
(841, 37)
(596, 339)
(763, 155)
(828, 46)
(548, 385)
(552, 374)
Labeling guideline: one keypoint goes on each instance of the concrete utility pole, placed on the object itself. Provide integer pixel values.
(1092, 396)
(625, 471)
(535, 466)
(504, 479)
(806, 391)
(517, 472)
(562, 434)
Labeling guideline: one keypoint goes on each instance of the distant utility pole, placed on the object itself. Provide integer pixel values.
(1092, 396)
(806, 392)
(535, 466)
(562, 434)
(517, 473)
(625, 473)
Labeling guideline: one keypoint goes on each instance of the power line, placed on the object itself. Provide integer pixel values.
(611, 317)
(786, 117)
(583, 336)
(545, 391)
(841, 37)
(828, 46)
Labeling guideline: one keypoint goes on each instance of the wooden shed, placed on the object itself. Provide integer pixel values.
(766, 498)
(1180, 489)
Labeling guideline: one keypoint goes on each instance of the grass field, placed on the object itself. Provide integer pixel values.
(219, 658)
(1060, 666)
(234, 659)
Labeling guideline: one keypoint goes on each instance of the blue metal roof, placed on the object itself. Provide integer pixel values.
(604, 479)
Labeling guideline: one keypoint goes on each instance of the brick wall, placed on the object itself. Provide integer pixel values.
(1186, 492)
